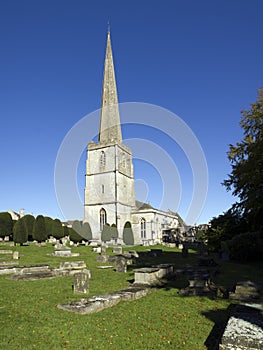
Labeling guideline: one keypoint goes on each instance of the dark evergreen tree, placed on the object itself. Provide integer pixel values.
(57, 229)
(74, 235)
(128, 237)
(77, 227)
(39, 230)
(86, 231)
(106, 233)
(49, 224)
(66, 231)
(114, 231)
(29, 221)
(6, 224)
(19, 232)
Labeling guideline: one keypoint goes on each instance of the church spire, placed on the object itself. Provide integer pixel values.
(110, 129)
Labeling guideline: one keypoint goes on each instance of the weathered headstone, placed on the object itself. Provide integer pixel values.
(16, 255)
(81, 282)
(121, 265)
(96, 250)
(103, 250)
(117, 250)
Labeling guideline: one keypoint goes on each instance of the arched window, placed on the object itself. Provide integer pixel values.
(103, 218)
(102, 158)
(143, 228)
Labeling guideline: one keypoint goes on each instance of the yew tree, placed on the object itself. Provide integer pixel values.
(246, 158)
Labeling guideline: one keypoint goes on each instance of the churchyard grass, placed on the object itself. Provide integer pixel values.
(30, 319)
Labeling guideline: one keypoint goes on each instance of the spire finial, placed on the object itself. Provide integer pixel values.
(108, 26)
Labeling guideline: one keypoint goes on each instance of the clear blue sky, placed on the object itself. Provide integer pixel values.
(199, 59)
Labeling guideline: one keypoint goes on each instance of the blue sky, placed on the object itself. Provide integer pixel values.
(202, 60)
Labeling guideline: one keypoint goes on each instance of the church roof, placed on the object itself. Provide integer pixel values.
(110, 129)
(140, 205)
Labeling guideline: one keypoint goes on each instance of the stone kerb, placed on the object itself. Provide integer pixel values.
(21, 270)
(101, 302)
(6, 251)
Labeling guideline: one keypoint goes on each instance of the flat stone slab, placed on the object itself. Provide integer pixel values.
(104, 267)
(6, 251)
(244, 330)
(101, 302)
(68, 265)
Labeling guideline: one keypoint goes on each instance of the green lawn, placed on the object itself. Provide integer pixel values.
(30, 319)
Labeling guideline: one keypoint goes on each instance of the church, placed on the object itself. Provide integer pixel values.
(109, 186)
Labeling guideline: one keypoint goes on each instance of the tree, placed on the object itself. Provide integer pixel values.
(106, 233)
(39, 230)
(77, 227)
(86, 231)
(128, 237)
(246, 158)
(57, 229)
(6, 224)
(19, 232)
(49, 224)
(224, 227)
(114, 231)
(74, 235)
(66, 231)
(28, 221)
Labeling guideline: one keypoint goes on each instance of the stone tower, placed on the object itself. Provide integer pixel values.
(109, 190)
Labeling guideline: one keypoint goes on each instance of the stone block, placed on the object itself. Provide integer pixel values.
(244, 330)
(16, 255)
(146, 275)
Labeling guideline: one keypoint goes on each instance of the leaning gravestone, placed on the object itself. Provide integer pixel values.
(81, 282)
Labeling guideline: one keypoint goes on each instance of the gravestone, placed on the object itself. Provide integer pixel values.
(103, 250)
(62, 251)
(146, 275)
(69, 265)
(244, 329)
(96, 250)
(16, 255)
(102, 258)
(121, 265)
(117, 250)
(245, 290)
(81, 282)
